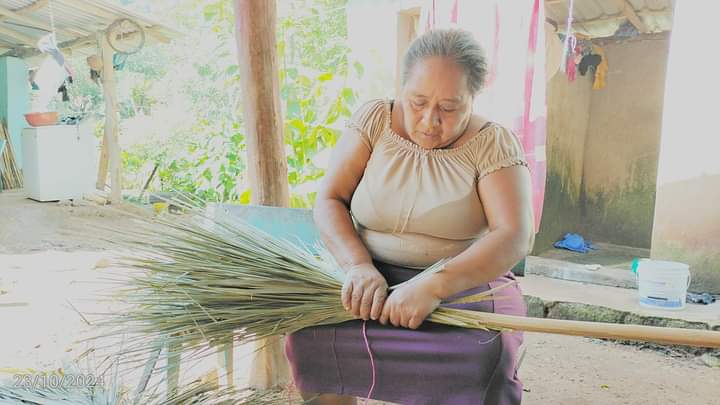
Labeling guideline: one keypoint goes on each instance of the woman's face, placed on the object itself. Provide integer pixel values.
(436, 103)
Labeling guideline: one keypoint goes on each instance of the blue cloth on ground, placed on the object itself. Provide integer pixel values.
(574, 242)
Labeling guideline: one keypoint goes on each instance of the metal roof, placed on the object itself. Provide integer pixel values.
(602, 18)
(23, 22)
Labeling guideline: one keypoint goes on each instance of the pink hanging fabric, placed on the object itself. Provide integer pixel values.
(454, 12)
(514, 95)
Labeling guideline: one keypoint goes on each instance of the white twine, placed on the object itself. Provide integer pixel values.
(52, 21)
(568, 29)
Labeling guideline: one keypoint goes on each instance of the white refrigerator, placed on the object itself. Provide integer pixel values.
(59, 162)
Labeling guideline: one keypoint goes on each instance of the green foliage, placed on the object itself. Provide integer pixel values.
(206, 155)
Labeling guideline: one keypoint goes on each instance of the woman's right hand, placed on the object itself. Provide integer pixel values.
(364, 291)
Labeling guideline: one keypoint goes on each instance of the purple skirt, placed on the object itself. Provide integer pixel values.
(434, 364)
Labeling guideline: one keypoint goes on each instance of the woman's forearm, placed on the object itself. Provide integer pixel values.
(338, 233)
(484, 261)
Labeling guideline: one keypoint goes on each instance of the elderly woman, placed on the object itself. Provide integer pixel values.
(413, 181)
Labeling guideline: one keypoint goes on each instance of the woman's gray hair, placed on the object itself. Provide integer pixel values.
(459, 45)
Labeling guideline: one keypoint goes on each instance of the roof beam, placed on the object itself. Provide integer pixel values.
(90, 8)
(22, 38)
(7, 14)
(22, 17)
(30, 52)
(32, 7)
(632, 16)
(610, 18)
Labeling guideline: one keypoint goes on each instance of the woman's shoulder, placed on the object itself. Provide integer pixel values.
(498, 146)
(370, 110)
(371, 119)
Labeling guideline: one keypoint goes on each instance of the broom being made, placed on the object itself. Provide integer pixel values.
(198, 281)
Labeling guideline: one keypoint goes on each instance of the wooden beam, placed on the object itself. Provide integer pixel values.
(21, 38)
(267, 164)
(11, 15)
(611, 18)
(89, 7)
(29, 21)
(629, 11)
(110, 137)
(32, 7)
(74, 43)
(255, 24)
(109, 15)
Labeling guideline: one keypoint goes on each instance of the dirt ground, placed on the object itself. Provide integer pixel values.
(46, 271)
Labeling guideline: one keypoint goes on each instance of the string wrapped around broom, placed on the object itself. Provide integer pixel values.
(198, 281)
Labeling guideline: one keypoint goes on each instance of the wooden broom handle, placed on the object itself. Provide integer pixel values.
(655, 334)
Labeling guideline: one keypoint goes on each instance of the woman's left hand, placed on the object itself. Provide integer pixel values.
(408, 306)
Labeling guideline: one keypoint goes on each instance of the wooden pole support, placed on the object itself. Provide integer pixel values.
(255, 24)
(110, 138)
(255, 31)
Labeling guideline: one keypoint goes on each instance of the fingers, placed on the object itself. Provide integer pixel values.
(385, 314)
(392, 313)
(395, 316)
(404, 319)
(414, 322)
(345, 295)
(355, 298)
(366, 303)
(378, 301)
(364, 293)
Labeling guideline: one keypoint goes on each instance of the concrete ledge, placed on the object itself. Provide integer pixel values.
(559, 299)
(564, 270)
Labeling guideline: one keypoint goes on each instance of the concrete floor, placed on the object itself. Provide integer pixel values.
(43, 268)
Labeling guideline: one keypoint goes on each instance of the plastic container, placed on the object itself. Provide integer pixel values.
(663, 284)
(41, 119)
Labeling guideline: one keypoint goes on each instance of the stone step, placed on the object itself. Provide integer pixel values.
(561, 299)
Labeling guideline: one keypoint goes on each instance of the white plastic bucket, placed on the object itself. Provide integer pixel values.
(663, 284)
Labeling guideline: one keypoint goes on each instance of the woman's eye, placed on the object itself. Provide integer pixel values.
(448, 109)
(418, 104)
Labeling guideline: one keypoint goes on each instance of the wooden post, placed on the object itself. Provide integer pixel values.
(255, 25)
(255, 31)
(111, 148)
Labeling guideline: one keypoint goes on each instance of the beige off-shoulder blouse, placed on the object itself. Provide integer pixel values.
(415, 206)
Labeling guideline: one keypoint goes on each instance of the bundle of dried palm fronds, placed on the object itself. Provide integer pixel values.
(198, 281)
(11, 175)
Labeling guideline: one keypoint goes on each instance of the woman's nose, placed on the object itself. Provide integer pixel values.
(431, 118)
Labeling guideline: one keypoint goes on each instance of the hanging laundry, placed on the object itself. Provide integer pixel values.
(48, 78)
(589, 62)
(602, 69)
(570, 67)
(48, 44)
(569, 64)
(626, 30)
(64, 89)
(96, 66)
